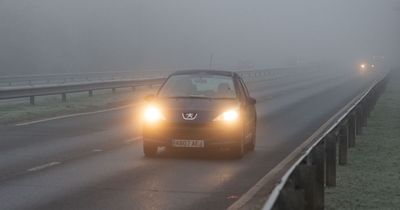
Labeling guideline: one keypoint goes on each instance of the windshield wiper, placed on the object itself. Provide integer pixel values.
(201, 97)
(197, 96)
(189, 96)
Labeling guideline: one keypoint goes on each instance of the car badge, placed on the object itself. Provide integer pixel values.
(189, 116)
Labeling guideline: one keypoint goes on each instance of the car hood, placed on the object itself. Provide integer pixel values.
(206, 110)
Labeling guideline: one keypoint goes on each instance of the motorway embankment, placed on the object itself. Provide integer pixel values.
(371, 178)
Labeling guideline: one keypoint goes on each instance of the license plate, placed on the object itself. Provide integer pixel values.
(188, 143)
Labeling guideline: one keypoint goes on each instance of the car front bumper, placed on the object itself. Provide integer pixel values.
(214, 135)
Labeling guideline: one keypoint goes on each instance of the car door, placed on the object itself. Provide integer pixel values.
(252, 107)
(247, 109)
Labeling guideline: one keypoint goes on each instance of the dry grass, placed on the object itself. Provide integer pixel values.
(371, 180)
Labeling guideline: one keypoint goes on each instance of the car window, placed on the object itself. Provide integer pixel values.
(246, 92)
(199, 85)
(242, 95)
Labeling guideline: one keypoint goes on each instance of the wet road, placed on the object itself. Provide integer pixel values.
(96, 161)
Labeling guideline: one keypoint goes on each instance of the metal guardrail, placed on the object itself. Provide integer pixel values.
(32, 92)
(47, 79)
(312, 166)
(63, 89)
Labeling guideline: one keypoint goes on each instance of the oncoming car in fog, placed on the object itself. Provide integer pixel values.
(366, 67)
(200, 109)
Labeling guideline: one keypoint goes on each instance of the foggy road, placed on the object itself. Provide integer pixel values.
(96, 161)
(305, 60)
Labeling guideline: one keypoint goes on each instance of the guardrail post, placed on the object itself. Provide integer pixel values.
(358, 122)
(90, 93)
(364, 112)
(32, 100)
(64, 97)
(318, 158)
(373, 100)
(375, 97)
(368, 103)
(114, 90)
(331, 160)
(343, 144)
(307, 181)
(290, 198)
(352, 130)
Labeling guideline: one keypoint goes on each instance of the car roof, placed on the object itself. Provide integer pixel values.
(205, 71)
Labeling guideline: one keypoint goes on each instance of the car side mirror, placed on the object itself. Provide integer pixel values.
(251, 101)
(149, 97)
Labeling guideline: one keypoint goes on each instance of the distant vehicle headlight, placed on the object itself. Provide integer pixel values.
(362, 66)
(228, 116)
(152, 114)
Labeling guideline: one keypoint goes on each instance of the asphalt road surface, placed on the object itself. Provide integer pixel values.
(96, 161)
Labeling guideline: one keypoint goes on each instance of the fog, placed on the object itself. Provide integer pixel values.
(54, 36)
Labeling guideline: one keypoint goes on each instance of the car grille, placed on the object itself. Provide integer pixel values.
(181, 131)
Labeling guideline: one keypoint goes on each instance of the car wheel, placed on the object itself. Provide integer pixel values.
(149, 149)
(238, 150)
(252, 143)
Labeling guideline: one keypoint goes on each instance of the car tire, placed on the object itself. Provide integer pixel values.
(238, 150)
(252, 143)
(149, 149)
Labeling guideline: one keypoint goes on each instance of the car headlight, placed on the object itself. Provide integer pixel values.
(228, 116)
(153, 114)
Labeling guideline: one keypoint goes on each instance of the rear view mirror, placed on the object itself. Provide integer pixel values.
(251, 101)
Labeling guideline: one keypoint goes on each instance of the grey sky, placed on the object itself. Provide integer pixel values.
(53, 36)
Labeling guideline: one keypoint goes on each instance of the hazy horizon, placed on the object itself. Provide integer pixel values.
(50, 36)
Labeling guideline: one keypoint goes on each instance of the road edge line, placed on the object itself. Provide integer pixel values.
(76, 115)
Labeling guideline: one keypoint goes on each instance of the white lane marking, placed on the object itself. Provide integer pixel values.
(75, 115)
(97, 150)
(133, 139)
(41, 167)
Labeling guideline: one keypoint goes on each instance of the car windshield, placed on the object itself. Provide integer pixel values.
(199, 86)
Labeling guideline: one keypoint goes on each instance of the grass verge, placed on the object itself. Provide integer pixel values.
(15, 111)
(371, 180)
